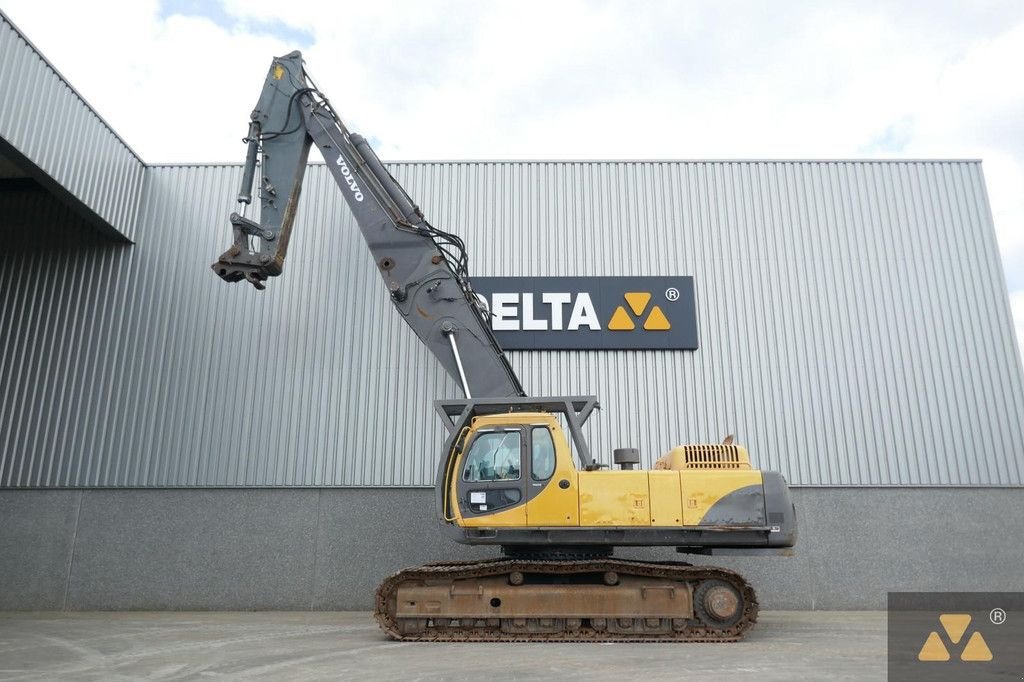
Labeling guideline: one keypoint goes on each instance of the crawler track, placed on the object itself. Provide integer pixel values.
(514, 600)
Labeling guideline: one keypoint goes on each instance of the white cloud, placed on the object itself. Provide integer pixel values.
(575, 79)
(178, 89)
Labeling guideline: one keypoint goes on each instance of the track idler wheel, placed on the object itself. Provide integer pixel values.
(717, 604)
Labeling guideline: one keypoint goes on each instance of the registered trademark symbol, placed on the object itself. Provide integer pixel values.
(672, 294)
(997, 616)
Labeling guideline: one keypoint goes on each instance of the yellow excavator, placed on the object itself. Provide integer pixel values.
(509, 475)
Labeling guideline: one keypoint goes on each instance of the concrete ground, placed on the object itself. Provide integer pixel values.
(785, 645)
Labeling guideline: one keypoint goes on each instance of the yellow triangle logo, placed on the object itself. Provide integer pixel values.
(933, 649)
(621, 321)
(955, 624)
(976, 649)
(637, 301)
(656, 321)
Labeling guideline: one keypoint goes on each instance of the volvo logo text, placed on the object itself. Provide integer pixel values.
(351, 181)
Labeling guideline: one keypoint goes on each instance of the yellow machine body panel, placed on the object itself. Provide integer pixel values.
(666, 498)
(687, 483)
(514, 517)
(703, 488)
(513, 419)
(614, 498)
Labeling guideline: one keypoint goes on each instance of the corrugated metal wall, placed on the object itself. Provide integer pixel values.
(854, 328)
(48, 122)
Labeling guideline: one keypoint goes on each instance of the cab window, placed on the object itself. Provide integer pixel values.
(543, 458)
(494, 456)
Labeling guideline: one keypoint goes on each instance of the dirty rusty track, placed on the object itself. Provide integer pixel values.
(386, 600)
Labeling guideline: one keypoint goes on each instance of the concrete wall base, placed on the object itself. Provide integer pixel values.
(326, 549)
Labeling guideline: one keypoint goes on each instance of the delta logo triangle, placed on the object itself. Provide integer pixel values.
(637, 301)
(955, 625)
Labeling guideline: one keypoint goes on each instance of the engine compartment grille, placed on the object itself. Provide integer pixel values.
(714, 457)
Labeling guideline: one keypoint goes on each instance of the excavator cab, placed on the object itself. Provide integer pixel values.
(516, 470)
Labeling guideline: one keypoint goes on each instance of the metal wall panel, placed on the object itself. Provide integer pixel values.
(853, 317)
(49, 123)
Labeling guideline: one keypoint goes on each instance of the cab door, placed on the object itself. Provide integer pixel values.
(551, 484)
(492, 479)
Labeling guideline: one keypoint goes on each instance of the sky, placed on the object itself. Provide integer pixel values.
(572, 79)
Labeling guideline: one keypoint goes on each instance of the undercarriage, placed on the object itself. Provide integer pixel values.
(573, 600)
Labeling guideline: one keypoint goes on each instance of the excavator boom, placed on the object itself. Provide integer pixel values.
(424, 268)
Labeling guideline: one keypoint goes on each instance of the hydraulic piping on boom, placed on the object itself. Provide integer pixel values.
(507, 475)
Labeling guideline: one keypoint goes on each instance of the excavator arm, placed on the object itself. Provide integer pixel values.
(425, 269)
